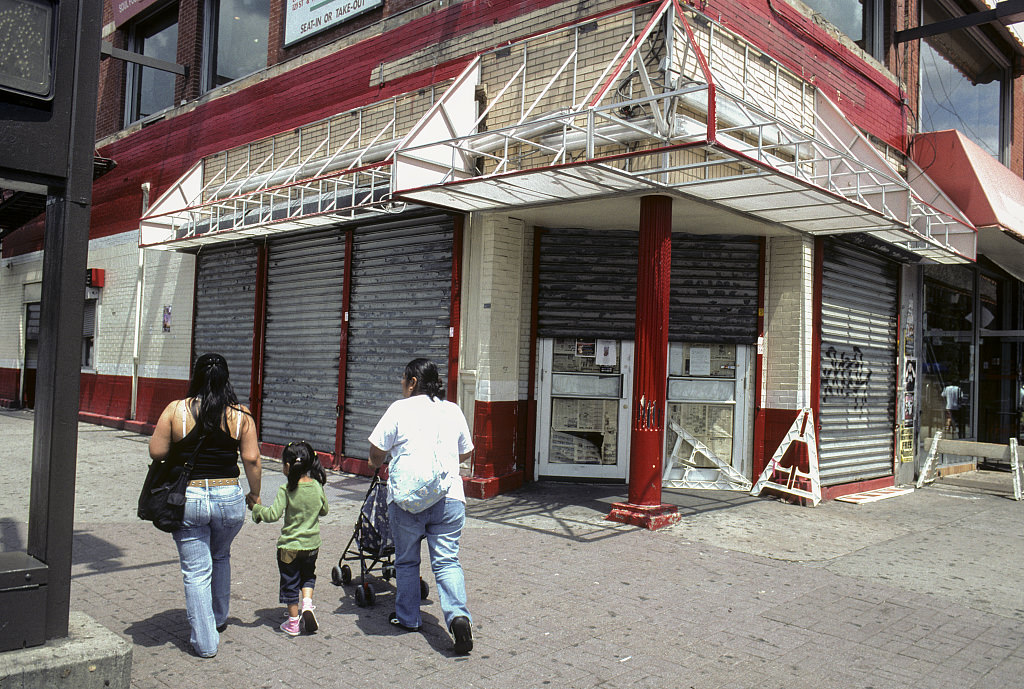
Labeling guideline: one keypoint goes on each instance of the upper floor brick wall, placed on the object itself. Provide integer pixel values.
(334, 78)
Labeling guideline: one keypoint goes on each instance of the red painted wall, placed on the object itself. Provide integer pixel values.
(499, 435)
(9, 396)
(111, 397)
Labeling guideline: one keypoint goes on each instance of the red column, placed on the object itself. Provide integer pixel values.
(650, 369)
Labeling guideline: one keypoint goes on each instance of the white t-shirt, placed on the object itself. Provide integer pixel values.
(413, 426)
(953, 397)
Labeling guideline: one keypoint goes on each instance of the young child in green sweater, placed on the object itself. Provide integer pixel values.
(302, 502)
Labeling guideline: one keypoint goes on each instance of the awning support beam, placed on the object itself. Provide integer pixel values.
(1006, 13)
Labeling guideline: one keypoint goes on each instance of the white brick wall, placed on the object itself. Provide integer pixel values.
(501, 266)
(168, 281)
(788, 322)
(16, 275)
(494, 308)
(169, 278)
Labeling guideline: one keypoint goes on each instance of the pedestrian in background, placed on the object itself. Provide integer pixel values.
(212, 419)
(417, 428)
(302, 502)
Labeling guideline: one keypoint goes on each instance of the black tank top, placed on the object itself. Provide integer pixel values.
(217, 458)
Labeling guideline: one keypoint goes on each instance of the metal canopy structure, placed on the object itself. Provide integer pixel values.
(663, 108)
(330, 171)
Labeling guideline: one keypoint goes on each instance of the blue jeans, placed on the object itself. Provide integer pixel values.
(213, 517)
(441, 525)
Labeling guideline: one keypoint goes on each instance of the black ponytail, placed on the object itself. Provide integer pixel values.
(210, 385)
(428, 382)
(301, 460)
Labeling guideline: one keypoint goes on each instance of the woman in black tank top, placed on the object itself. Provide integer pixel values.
(212, 420)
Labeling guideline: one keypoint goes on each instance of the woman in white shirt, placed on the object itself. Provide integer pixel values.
(417, 428)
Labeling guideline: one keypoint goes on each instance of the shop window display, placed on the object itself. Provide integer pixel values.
(584, 408)
(701, 393)
(947, 377)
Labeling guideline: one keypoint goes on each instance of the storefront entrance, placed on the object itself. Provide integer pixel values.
(585, 406)
(586, 387)
(709, 416)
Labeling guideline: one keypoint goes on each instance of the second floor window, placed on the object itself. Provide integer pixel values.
(151, 90)
(236, 43)
(860, 20)
(950, 100)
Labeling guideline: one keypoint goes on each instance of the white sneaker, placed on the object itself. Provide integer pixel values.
(308, 618)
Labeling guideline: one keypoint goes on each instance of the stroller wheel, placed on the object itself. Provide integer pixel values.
(346, 575)
(336, 575)
(365, 596)
(424, 590)
(388, 572)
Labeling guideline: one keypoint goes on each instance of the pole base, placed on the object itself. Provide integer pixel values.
(651, 517)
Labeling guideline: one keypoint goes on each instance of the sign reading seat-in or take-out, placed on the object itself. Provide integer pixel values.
(303, 18)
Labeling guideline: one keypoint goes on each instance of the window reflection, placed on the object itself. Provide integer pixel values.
(239, 39)
(947, 376)
(152, 90)
(950, 101)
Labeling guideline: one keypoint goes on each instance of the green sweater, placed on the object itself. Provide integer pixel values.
(302, 509)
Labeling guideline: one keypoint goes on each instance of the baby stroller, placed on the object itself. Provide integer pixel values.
(371, 544)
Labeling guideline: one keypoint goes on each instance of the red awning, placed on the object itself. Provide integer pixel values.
(988, 193)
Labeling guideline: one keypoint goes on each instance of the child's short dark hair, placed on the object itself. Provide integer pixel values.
(301, 459)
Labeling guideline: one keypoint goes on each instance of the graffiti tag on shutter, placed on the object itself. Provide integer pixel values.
(846, 375)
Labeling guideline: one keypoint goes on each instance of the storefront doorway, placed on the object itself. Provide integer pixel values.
(583, 420)
(709, 416)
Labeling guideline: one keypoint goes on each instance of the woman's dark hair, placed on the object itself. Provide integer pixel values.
(301, 459)
(428, 382)
(211, 386)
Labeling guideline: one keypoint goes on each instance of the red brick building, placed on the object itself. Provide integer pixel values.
(643, 238)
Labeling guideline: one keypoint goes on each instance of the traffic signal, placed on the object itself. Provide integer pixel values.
(27, 46)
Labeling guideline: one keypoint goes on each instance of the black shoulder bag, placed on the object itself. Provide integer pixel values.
(162, 500)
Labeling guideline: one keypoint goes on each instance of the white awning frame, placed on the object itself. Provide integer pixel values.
(812, 172)
(323, 179)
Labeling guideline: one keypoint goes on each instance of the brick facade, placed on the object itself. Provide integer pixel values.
(788, 338)
(408, 46)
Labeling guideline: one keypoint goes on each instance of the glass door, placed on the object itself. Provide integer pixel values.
(583, 420)
(708, 417)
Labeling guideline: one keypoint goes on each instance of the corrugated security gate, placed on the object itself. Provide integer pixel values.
(225, 304)
(858, 364)
(713, 297)
(588, 286)
(400, 309)
(305, 281)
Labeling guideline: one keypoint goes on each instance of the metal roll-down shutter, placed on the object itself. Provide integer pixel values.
(587, 284)
(714, 292)
(858, 364)
(305, 282)
(400, 309)
(225, 305)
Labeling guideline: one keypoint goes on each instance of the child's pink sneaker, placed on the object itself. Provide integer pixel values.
(308, 618)
(291, 626)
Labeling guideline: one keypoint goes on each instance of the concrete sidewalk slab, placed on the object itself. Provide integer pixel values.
(915, 591)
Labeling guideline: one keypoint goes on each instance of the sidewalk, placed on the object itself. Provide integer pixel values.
(921, 590)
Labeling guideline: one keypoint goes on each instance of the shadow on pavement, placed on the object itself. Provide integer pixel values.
(577, 511)
(167, 627)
